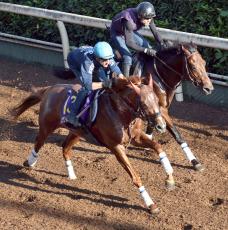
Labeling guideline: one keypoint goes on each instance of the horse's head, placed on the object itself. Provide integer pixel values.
(148, 104)
(179, 62)
(196, 70)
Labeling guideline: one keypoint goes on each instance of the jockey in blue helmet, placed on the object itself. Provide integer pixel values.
(124, 33)
(93, 67)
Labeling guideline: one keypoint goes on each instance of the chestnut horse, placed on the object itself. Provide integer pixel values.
(168, 68)
(115, 125)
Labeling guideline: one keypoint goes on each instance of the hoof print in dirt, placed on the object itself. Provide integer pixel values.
(216, 201)
(188, 227)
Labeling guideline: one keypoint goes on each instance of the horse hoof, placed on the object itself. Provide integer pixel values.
(72, 177)
(198, 167)
(153, 209)
(26, 164)
(170, 184)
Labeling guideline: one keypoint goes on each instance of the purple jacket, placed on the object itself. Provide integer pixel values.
(129, 14)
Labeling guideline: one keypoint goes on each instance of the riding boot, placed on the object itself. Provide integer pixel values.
(126, 70)
(71, 118)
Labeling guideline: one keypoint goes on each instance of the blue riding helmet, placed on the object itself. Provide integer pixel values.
(103, 50)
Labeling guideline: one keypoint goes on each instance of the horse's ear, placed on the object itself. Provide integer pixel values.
(150, 81)
(135, 87)
(185, 50)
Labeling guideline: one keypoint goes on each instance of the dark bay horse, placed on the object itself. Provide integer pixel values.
(169, 68)
(115, 125)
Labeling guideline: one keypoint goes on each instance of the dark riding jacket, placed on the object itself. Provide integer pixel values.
(82, 62)
(126, 23)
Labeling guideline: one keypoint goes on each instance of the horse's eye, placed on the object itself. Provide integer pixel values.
(193, 67)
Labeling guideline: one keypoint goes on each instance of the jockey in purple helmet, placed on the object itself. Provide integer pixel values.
(93, 66)
(124, 33)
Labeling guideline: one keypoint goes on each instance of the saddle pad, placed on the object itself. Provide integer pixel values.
(88, 110)
(90, 107)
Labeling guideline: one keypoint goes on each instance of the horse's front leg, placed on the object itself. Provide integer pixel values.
(176, 134)
(70, 140)
(142, 139)
(121, 156)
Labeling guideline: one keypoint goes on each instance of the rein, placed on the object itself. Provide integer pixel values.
(190, 73)
(187, 67)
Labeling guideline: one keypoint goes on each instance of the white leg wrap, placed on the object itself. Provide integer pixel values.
(70, 170)
(32, 159)
(148, 201)
(166, 163)
(188, 152)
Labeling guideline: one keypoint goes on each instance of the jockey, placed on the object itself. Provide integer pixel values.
(124, 33)
(91, 64)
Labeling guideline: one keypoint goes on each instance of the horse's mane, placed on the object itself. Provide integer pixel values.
(175, 48)
(122, 83)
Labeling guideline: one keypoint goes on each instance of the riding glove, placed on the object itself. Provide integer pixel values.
(107, 83)
(150, 51)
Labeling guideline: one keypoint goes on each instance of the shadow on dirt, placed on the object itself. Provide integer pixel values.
(28, 210)
(17, 176)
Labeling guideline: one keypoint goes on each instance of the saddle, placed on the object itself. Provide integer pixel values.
(88, 110)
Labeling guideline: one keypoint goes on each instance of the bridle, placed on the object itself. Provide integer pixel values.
(139, 111)
(189, 69)
(189, 73)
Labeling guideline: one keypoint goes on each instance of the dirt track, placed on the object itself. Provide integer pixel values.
(103, 196)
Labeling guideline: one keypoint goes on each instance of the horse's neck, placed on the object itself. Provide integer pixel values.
(124, 104)
(170, 70)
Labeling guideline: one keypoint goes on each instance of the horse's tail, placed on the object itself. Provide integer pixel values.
(34, 98)
(63, 73)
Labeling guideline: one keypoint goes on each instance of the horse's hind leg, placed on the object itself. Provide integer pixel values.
(187, 151)
(40, 139)
(121, 156)
(70, 140)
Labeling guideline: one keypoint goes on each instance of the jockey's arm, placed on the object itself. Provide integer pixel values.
(97, 85)
(156, 34)
(115, 69)
(129, 37)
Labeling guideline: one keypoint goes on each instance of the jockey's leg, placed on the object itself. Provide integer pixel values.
(126, 69)
(120, 44)
(121, 156)
(71, 118)
(141, 41)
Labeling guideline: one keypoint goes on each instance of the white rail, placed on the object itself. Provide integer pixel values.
(202, 40)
